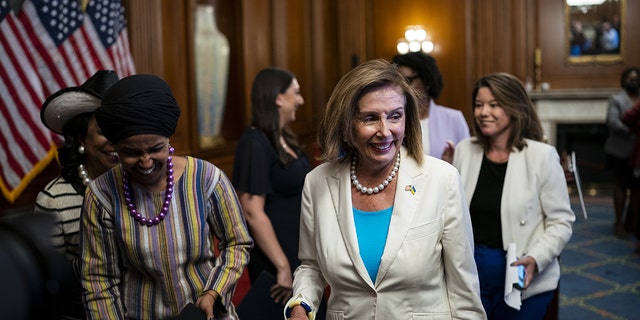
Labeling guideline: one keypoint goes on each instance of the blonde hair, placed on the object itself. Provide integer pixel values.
(335, 136)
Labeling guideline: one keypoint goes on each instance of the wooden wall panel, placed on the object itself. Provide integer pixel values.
(257, 45)
(144, 18)
(351, 36)
(444, 21)
(176, 32)
(496, 40)
(324, 72)
(320, 40)
(296, 57)
(561, 75)
(290, 41)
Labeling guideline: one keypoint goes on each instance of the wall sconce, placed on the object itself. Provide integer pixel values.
(415, 39)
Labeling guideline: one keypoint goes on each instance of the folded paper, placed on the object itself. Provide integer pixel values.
(511, 295)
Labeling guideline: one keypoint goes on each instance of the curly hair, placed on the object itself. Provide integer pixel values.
(426, 67)
(68, 156)
(625, 74)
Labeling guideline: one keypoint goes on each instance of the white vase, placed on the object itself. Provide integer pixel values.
(212, 71)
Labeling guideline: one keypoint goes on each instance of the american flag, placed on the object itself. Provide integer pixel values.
(46, 45)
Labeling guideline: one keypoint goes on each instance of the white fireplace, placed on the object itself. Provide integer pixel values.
(570, 106)
(578, 118)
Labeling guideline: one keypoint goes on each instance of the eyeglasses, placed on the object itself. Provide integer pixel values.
(411, 78)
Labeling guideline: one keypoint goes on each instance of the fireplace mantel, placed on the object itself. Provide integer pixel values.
(573, 94)
(570, 106)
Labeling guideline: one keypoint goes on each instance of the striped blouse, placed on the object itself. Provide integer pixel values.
(140, 272)
(62, 201)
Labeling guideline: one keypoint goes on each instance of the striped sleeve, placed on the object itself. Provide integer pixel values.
(64, 203)
(234, 243)
(99, 261)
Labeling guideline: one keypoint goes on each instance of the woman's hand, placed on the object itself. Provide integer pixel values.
(281, 291)
(447, 154)
(298, 313)
(531, 268)
(265, 238)
(206, 301)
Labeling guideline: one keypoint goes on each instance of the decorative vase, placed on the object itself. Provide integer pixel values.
(212, 71)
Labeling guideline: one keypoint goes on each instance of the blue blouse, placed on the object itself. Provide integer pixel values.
(372, 228)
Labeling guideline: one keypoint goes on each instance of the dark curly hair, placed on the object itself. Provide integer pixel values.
(68, 154)
(426, 67)
(626, 72)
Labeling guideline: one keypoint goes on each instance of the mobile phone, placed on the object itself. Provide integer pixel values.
(521, 275)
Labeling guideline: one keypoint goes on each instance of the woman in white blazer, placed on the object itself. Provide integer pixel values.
(517, 193)
(400, 250)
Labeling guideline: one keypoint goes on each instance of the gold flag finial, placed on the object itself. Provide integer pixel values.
(84, 4)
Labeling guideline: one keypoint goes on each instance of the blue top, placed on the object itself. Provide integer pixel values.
(372, 228)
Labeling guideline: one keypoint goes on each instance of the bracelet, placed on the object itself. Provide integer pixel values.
(210, 293)
(299, 302)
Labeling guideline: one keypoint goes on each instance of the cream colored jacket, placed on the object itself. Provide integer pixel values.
(535, 210)
(427, 269)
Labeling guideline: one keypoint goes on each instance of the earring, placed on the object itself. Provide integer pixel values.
(81, 149)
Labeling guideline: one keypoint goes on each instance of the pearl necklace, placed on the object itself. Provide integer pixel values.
(84, 175)
(377, 188)
(167, 196)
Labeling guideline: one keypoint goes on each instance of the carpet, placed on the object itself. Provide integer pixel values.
(600, 274)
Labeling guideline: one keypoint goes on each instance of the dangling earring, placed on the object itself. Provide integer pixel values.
(81, 149)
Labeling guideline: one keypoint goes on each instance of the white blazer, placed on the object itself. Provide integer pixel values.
(535, 209)
(427, 268)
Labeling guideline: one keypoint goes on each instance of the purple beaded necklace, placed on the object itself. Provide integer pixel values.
(167, 196)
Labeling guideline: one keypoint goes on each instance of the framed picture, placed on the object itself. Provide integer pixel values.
(594, 31)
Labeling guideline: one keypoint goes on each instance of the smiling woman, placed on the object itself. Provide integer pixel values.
(84, 155)
(517, 195)
(268, 173)
(364, 210)
(158, 214)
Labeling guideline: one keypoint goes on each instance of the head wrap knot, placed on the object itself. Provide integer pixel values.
(138, 104)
